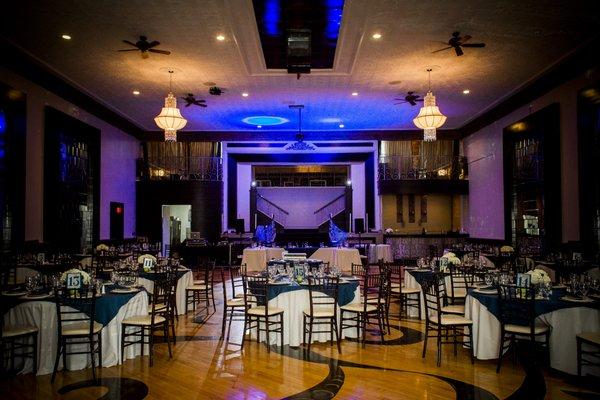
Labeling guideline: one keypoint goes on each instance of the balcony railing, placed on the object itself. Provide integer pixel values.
(182, 168)
(422, 167)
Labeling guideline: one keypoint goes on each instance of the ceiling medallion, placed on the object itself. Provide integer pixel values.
(430, 117)
(170, 119)
(300, 145)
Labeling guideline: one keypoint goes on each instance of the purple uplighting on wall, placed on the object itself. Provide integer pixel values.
(486, 185)
(117, 179)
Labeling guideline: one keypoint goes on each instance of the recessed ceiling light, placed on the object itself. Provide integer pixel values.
(220, 38)
(376, 36)
(136, 92)
(245, 94)
(354, 93)
(466, 91)
(259, 126)
(341, 125)
(66, 37)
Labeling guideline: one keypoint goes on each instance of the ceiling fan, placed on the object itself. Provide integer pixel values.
(191, 100)
(410, 98)
(145, 47)
(457, 42)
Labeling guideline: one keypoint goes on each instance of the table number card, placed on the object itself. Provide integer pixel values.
(74, 280)
(523, 280)
(148, 264)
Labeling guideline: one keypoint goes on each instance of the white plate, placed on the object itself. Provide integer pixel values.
(559, 287)
(14, 294)
(574, 300)
(280, 283)
(123, 291)
(36, 296)
(487, 291)
(352, 279)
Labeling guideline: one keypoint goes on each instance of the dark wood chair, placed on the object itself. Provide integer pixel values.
(77, 327)
(406, 297)
(17, 342)
(143, 327)
(203, 290)
(518, 320)
(456, 292)
(323, 297)
(234, 307)
(446, 328)
(266, 319)
(372, 305)
(590, 339)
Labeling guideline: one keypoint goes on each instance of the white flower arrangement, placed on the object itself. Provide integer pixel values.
(102, 247)
(452, 259)
(141, 258)
(507, 249)
(389, 230)
(539, 276)
(85, 277)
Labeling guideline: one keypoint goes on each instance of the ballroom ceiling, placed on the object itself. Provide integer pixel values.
(522, 39)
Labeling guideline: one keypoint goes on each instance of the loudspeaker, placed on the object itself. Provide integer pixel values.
(359, 225)
(239, 225)
(298, 51)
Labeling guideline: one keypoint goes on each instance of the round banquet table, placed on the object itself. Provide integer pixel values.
(566, 320)
(185, 279)
(256, 258)
(380, 252)
(294, 299)
(111, 309)
(341, 257)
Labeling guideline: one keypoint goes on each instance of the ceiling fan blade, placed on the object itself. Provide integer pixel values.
(402, 102)
(445, 48)
(145, 54)
(129, 50)
(202, 105)
(154, 43)
(129, 43)
(188, 104)
(458, 51)
(159, 51)
(473, 45)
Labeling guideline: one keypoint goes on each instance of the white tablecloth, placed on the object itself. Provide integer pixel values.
(186, 280)
(256, 258)
(294, 303)
(42, 314)
(343, 257)
(566, 323)
(380, 252)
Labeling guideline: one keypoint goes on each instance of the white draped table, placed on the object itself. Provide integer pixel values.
(256, 258)
(341, 257)
(380, 252)
(565, 324)
(182, 283)
(42, 314)
(294, 303)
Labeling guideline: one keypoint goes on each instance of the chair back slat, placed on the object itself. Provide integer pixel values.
(517, 305)
(323, 293)
(75, 306)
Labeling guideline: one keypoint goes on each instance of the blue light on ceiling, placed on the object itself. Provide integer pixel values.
(334, 18)
(2, 121)
(272, 17)
(265, 120)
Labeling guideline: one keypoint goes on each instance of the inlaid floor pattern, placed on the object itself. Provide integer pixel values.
(204, 367)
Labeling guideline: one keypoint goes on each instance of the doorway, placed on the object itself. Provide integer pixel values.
(176, 225)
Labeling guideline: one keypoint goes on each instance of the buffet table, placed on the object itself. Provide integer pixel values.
(342, 257)
(256, 258)
(111, 309)
(565, 318)
(294, 299)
